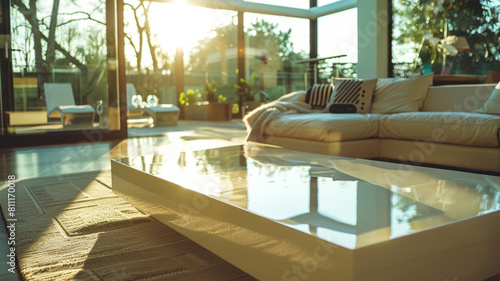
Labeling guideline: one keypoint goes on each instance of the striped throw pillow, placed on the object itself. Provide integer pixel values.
(319, 95)
(352, 96)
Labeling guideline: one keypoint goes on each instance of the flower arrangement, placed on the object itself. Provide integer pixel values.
(221, 98)
(190, 97)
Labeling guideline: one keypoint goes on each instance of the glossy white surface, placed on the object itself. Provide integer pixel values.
(366, 207)
(339, 207)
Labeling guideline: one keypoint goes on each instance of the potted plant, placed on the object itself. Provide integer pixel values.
(190, 97)
(187, 102)
(247, 94)
(220, 110)
(210, 91)
(193, 108)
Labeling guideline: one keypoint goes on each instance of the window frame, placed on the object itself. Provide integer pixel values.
(116, 88)
(115, 53)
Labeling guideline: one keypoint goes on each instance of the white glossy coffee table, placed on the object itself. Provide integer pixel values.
(287, 215)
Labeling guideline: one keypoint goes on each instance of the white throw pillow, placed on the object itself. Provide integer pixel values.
(492, 104)
(351, 96)
(394, 95)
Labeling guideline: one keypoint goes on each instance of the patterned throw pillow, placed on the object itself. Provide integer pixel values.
(319, 95)
(352, 96)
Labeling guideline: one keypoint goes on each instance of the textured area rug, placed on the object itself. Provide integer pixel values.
(72, 227)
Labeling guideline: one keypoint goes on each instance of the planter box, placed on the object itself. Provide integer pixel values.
(209, 111)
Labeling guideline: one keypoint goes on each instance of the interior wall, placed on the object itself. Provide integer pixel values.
(373, 39)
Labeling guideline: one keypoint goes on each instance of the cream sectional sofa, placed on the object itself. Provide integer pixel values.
(446, 131)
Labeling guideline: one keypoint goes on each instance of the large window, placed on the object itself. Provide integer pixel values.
(338, 36)
(150, 49)
(61, 68)
(171, 62)
(212, 61)
(447, 38)
(170, 49)
(155, 42)
(273, 45)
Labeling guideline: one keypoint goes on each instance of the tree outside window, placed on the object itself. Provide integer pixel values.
(59, 41)
(445, 37)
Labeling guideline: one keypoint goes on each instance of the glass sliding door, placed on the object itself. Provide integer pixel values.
(150, 52)
(338, 36)
(195, 64)
(273, 47)
(5, 62)
(212, 60)
(64, 69)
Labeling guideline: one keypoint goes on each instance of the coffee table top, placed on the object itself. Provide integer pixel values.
(352, 203)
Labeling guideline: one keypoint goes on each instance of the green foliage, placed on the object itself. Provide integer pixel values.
(261, 35)
(477, 20)
(428, 53)
(211, 87)
(210, 90)
(275, 54)
(246, 88)
(245, 91)
(264, 35)
(191, 96)
(228, 91)
(225, 38)
(221, 98)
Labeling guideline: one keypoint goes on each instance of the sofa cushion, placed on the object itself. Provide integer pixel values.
(456, 98)
(351, 96)
(394, 95)
(324, 127)
(492, 105)
(461, 128)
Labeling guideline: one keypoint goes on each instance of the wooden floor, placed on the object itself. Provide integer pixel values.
(55, 160)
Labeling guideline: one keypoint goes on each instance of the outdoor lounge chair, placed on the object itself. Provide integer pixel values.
(162, 114)
(59, 99)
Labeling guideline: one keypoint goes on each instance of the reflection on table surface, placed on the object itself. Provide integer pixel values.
(349, 202)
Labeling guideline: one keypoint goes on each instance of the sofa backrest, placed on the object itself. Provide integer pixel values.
(457, 98)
